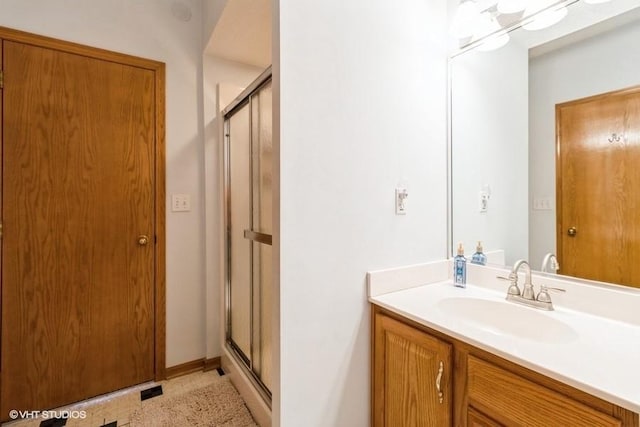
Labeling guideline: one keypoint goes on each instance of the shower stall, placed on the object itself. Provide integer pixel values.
(248, 171)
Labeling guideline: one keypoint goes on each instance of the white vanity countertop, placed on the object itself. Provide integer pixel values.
(595, 354)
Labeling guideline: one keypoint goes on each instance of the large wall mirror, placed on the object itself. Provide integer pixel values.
(545, 143)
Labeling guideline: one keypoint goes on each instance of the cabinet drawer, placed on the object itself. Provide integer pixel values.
(513, 400)
(477, 419)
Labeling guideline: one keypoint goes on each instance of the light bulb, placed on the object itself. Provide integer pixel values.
(511, 6)
(546, 18)
(489, 31)
(465, 20)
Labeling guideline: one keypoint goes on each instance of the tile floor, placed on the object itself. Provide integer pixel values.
(118, 406)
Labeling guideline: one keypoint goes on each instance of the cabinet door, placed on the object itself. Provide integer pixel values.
(411, 378)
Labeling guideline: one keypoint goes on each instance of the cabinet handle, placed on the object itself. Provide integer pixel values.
(438, 379)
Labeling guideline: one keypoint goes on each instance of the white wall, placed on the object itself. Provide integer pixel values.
(232, 77)
(362, 107)
(147, 28)
(211, 12)
(593, 66)
(489, 111)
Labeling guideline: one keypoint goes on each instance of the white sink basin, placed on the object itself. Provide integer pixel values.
(506, 318)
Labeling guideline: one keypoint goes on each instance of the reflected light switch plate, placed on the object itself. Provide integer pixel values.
(484, 202)
(542, 204)
(180, 203)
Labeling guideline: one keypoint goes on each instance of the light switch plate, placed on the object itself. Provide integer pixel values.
(483, 202)
(401, 201)
(180, 203)
(542, 204)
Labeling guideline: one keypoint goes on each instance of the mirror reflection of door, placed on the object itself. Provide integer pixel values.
(598, 176)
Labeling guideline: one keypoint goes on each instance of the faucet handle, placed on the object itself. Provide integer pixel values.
(513, 278)
(543, 295)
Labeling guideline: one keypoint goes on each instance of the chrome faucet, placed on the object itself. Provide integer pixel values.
(527, 292)
(528, 297)
(550, 261)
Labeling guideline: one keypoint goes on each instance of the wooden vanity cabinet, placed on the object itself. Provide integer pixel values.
(479, 389)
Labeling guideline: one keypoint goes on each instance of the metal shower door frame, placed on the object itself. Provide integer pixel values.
(244, 361)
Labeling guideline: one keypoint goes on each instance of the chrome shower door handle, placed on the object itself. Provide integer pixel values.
(267, 239)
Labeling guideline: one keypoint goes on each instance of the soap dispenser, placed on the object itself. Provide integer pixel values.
(479, 257)
(460, 268)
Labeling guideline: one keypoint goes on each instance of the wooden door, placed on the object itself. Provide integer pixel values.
(598, 177)
(410, 370)
(79, 146)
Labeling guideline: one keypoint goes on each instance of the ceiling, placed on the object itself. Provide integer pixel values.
(243, 33)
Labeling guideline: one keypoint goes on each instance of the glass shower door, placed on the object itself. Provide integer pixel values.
(262, 168)
(240, 292)
(249, 172)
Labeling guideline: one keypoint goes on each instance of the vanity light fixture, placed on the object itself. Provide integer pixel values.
(543, 15)
(489, 25)
(465, 19)
(511, 6)
(494, 42)
(480, 24)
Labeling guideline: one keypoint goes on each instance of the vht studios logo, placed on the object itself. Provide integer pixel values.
(14, 414)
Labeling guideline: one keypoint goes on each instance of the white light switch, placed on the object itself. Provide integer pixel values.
(180, 203)
(542, 204)
(401, 201)
(483, 202)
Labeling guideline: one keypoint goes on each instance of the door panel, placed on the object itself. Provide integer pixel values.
(263, 273)
(262, 164)
(598, 178)
(77, 287)
(411, 376)
(240, 220)
(262, 160)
